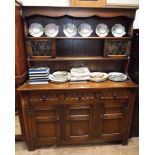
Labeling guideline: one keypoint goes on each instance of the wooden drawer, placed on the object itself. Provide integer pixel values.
(116, 107)
(44, 97)
(80, 97)
(115, 94)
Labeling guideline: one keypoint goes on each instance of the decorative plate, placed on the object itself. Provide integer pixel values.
(102, 30)
(98, 76)
(51, 30)
(36, 30)
(85, 30)
(70, 30)
(118, 30)
(117, 76)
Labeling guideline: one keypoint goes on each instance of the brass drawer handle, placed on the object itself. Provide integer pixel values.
(44, 97)
(58, 118)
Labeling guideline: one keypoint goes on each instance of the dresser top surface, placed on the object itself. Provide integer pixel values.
(78, 86)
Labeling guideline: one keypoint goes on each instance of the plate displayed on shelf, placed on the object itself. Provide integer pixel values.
(36, 30)
(98, 76)
(85, 30)
(118, 30)
(117, 76)
(51, 30)
(102, 30)
(69, 30)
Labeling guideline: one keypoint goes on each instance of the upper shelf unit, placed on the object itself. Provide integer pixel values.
(72, 47)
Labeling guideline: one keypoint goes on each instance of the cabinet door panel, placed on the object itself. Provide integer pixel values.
(45, 121)
(112, 119)
(79, 122)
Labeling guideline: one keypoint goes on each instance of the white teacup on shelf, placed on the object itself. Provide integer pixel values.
(36, 30)
(51, 30)
(69, 30)
(85, 30)
(118, 30)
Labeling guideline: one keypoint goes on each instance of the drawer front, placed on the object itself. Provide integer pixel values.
(80, 97)
(115, 94)
(44, 98)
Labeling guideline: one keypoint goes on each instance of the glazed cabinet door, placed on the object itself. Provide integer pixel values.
(79, 122)
(45, 122)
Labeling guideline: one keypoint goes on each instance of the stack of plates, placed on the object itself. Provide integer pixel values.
(102, 30)
(70, 30)
(78, 72)
(59, 77)
(85, 30)
(98, 76)
(117, 76)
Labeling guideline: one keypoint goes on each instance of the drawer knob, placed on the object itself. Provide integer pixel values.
(114, 94)
(44, 97)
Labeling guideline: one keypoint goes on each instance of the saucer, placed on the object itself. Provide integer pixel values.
(85, 30)
(51, 30)
(102, 30)
(70, 30)
(118, 30)
(36, 30)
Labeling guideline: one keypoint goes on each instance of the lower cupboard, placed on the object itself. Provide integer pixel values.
(74, 118)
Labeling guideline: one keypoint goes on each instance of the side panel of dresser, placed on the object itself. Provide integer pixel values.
(20, 63)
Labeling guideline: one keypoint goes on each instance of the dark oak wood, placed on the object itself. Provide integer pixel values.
(78, 12)
(75, 113)
(20, 64)
(20, 55)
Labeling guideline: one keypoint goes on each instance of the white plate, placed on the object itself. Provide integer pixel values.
(118, 30)
(54, 79)
(102, 30)
(36, 30)
(60, 73)
(98, 76)
(85, 30)
(117, 76)
(70, 30)
(51, 30)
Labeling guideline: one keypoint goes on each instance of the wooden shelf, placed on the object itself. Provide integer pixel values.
(78, 58)
(97, 38)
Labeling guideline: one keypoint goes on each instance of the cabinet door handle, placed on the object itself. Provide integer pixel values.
(80, 97)
(58, 118)
(67, 118)
(101, 116)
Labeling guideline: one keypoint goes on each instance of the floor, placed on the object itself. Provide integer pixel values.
(98, 149)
